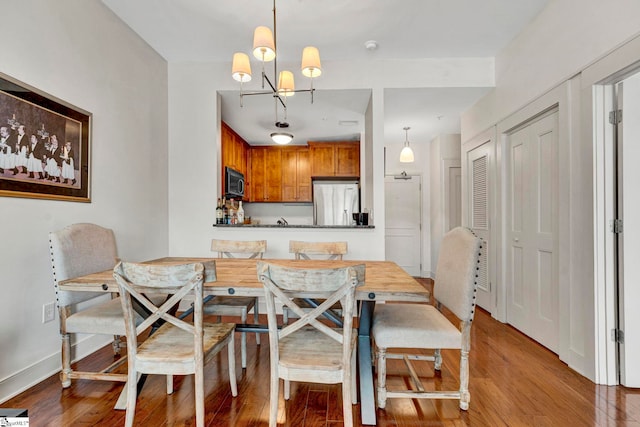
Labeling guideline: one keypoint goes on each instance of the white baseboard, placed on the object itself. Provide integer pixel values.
(33, 374)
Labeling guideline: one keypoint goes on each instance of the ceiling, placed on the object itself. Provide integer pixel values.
(212, 30)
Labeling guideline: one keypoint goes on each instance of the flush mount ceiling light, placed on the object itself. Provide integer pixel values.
(406, 155)
(281, 137)
(264, 49)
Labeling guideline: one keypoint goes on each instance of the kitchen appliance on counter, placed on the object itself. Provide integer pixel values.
(334, 202)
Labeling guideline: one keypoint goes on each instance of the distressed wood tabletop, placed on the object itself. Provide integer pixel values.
(384, 280)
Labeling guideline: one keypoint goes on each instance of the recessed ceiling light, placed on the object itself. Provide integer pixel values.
(371, 44)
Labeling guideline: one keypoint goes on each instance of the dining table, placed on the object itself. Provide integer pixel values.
(384, 281)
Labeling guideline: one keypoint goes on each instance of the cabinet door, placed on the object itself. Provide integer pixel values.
(296, 175)
(257, 175)
(347, 159)
(322, 159)
(273, 174)
(304, 175)
(289, 174)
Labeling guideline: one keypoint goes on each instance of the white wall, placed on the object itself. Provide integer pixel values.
(563, 40)
(79, 52)
(443, 147)
(194, 146)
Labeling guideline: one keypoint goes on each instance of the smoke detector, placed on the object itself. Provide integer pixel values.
(371, 45)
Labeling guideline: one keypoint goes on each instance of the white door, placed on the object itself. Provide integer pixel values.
(629, 239)
(531, 238)
(403, 215)
(478, 165)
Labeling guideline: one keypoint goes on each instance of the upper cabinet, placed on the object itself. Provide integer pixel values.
(335, 159)
(265, 177)
(284, 173)
(234, 151)
(296, 174)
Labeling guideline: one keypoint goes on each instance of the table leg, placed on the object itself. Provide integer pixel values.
(365, 365)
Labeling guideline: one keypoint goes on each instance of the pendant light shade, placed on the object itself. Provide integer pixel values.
(281, 138)
(264, 48)
(406, 155)
(311, 62)
(286, 85)
(241, 68)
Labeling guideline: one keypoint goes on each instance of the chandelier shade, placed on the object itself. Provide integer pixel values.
(311, 66)
(286, 86)
(241, 68)
(264, 47)
(406, 155)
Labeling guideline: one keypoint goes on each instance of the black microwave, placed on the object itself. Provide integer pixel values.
(233, 183)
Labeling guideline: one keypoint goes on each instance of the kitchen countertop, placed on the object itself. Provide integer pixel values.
(365, 227)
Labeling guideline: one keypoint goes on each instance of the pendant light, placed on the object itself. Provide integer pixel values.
(406, 155)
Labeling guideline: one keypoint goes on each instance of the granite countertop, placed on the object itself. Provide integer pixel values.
(359, 227)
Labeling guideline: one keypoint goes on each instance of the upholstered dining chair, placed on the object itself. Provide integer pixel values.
(77, 250)
(314, 250)
(177, 347)
(308, 349)
(423, 326)
(231, 305)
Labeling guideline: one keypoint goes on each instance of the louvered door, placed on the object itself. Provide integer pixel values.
(478, 162)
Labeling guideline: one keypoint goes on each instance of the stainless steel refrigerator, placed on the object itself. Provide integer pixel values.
(335, 201)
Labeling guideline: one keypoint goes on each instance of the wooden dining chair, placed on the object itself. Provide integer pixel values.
(231, 305)
(423, 326)
(177, 347)
(77, 250)
(314, 250)
(308, 349)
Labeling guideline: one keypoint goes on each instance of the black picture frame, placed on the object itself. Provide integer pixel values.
(56, 165)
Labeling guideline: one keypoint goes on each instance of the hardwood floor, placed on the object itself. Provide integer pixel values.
(513, 382)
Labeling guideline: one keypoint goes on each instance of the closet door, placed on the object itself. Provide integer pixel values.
(478, 165)
(531, 240)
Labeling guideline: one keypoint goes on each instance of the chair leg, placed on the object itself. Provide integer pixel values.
(354, 381)
(132, 395)
(256, 318)
(169, 384)
(243, 340)
(116, 345)
(273, 396)
(465, 396)
(285, 316)
(287, 389)
(199, 394)
(66, 361)
(437, 359)
(382, 377)
(347, 408)
(231, 352)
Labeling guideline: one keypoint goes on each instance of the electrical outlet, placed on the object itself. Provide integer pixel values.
(48, 312)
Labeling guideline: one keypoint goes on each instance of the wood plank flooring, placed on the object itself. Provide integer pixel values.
(513, 382)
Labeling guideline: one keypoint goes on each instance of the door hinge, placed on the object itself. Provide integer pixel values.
(616, 226)
(615, 117)
(617, 336)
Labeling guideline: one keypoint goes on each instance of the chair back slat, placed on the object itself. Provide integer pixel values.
(457, 270)
(326, 250)
(139, 282)
(284, 284)
(250, 249)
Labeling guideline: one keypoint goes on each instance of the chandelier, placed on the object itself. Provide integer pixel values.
(264, 49)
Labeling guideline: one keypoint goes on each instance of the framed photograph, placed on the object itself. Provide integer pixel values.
(44, 145)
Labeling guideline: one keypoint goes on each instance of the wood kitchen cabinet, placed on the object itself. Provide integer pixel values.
(234, 150)
(265, 176)
(339, 159)
(296, 174)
